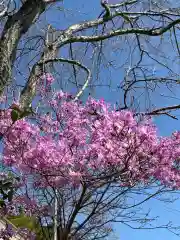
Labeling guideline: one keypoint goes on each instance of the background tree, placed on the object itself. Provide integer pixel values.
(129, 38)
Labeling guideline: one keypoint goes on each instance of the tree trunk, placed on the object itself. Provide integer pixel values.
(16, 25)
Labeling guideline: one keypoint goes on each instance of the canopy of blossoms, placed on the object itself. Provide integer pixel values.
(66, 141)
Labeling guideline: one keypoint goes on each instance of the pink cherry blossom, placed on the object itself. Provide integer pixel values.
(75, 141)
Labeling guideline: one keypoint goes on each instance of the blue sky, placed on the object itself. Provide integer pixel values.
(81, 10)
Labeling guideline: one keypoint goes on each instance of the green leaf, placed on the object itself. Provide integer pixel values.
(14, 115)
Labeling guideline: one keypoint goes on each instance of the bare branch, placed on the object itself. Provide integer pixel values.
(73, 62)
(37, 71)
(125, 3)
(148, 32)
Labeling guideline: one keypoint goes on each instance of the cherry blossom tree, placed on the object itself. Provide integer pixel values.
(91, 157)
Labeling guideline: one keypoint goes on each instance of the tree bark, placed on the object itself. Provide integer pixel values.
(16, 25)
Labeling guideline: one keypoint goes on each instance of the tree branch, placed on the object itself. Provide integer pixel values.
(37, 71)
(68, 36)
(122, 4)
(162, 110)
(74, 62)
(119, 32)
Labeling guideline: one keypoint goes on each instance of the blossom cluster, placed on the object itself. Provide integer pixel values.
(65, 142)
(73, 141)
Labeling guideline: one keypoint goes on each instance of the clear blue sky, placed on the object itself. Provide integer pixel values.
(81, 10)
